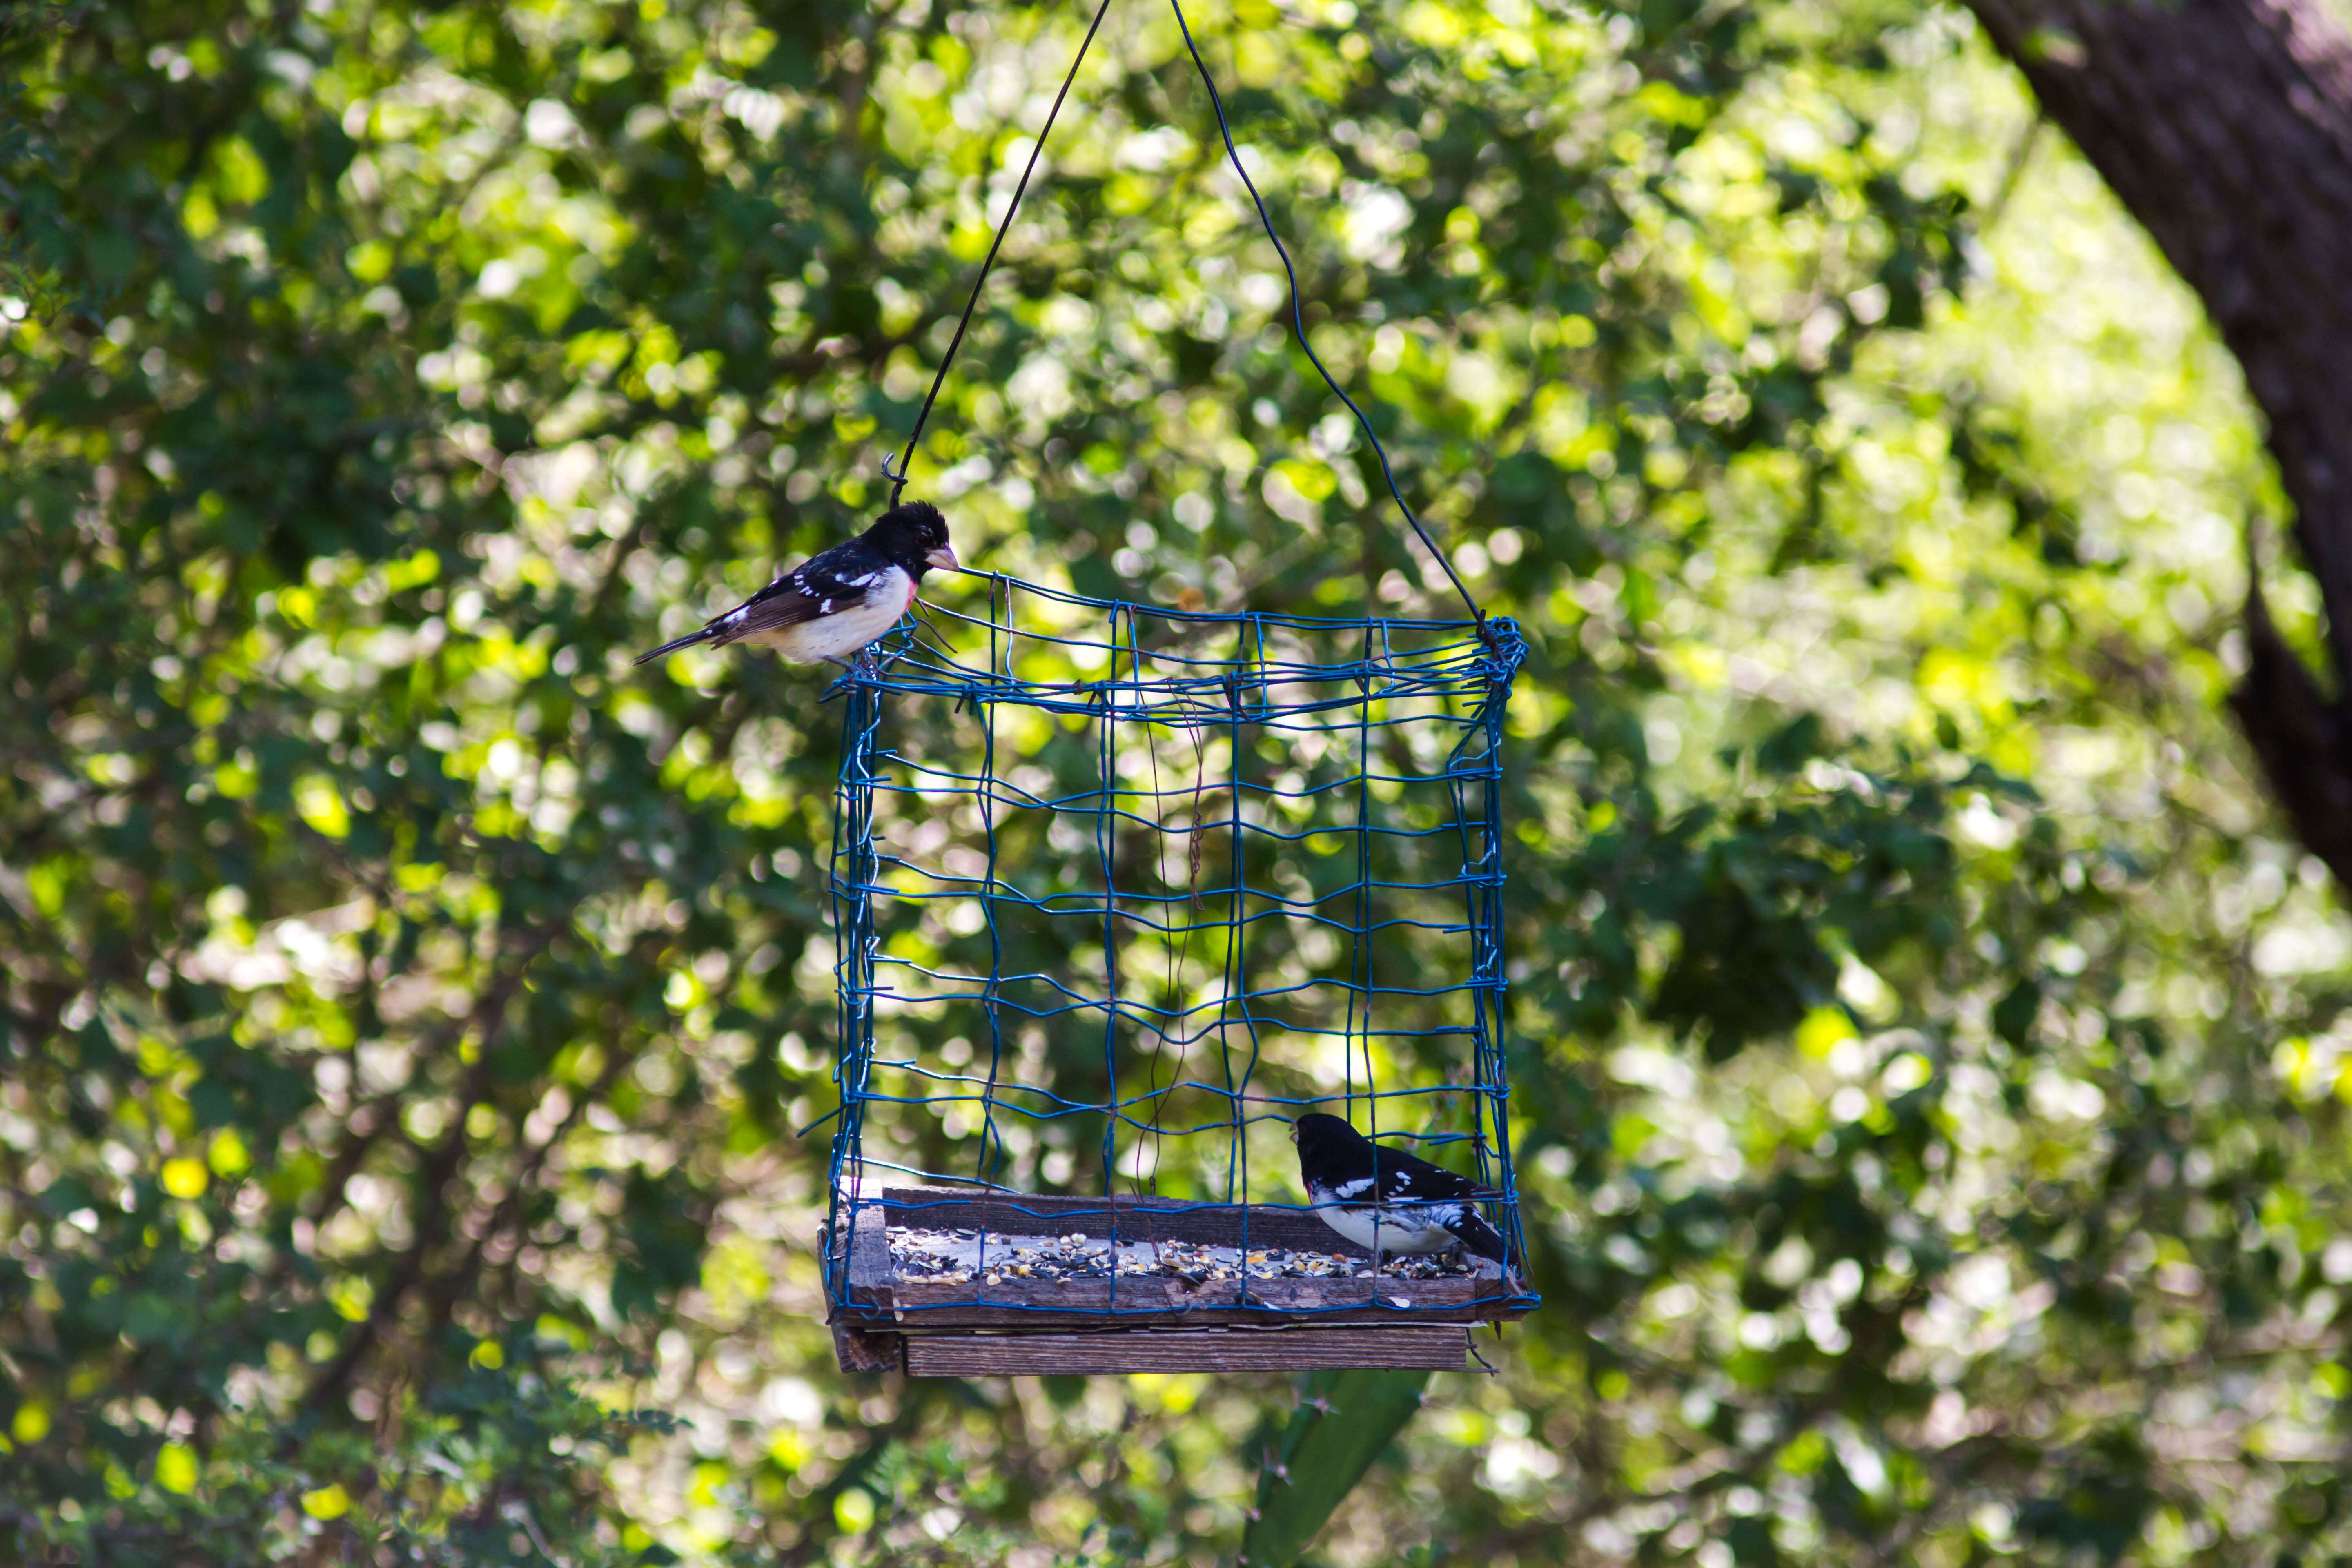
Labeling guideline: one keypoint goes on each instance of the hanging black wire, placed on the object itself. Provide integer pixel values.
(1299, 322)
(898, 478)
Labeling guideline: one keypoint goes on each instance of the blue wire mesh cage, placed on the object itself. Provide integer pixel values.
(1117, 890)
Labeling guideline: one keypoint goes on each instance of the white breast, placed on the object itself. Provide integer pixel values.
(1393, 1232)
(846, 628)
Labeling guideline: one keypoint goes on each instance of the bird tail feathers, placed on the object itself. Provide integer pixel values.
(705, 635)
(1476, 1235)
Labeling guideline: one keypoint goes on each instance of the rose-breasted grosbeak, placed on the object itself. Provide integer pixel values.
(834, 602)
(1386, 1199)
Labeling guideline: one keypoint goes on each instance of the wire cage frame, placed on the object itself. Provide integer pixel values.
(1117, 890)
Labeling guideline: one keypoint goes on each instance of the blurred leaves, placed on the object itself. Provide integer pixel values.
(1928, 1062)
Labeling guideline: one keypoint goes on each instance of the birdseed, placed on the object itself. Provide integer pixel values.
(959, 1257)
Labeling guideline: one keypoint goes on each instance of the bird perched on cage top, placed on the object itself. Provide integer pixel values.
(1386, 1199)
(836, 602)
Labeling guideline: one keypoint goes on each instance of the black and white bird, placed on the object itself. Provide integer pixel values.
(1388, 1200)
(836, 602)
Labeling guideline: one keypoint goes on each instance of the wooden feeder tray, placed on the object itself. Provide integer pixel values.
(1152, 1322)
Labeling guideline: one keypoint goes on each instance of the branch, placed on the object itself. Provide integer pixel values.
(434, 1226)
(2225, 127)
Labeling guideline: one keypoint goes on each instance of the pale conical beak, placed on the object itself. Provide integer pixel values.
(944, 558)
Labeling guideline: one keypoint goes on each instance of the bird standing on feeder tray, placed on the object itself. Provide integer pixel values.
(834, 602)
(1387, 1200)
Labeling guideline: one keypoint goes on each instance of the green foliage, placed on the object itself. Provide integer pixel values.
(496, 1466)
(1930, 1067)
(1343, 1422)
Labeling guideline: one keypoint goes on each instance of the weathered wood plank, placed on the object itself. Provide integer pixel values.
(869, 1255)
(1014, 1320)
(1035, 1320)
(1184, 1349)
(862, 1350)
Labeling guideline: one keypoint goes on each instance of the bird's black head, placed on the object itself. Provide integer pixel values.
(914, 537)
(1318, 1135)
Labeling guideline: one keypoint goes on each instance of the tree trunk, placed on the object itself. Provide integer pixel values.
(2225, 126)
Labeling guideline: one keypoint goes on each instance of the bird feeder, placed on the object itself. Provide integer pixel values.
(1117, 890)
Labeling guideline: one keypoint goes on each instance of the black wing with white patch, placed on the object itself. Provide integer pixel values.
(837, 580)
(1415, 1188)
(1403, 1178)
